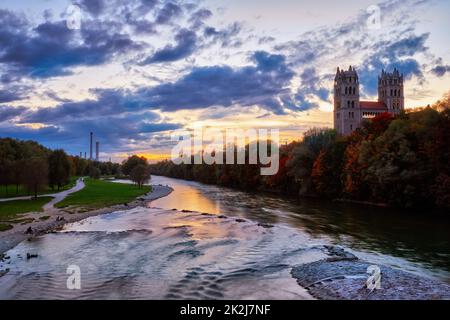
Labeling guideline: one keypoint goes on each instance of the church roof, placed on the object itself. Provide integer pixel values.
(373, 105)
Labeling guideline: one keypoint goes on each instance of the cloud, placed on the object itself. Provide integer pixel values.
(9, 95)
(7, 113)
(51, 49)
(114, 132)
(94, 7)
(264, 84)
(440, 70)
(210, 86)
(168, 12)
(185, 45)
(389, 55)
(397, 44)
(198, 17)
(108, 102)
(311, 87)
(226, 37)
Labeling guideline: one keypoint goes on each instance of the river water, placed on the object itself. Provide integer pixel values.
(209, 242)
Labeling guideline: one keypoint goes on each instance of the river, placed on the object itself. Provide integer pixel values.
(209, 242)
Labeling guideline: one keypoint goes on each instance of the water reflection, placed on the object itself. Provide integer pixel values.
(416, 242)
(157, 254)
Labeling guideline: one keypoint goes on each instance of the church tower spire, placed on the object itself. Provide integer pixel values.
(347, 115)
(390, 91)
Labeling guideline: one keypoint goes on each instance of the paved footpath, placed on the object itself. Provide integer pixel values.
(57, 197)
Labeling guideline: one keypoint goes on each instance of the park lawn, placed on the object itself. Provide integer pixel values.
(11, 209)
(100, 194)
(22, 192)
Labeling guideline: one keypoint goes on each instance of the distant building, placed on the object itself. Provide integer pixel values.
(350, 111)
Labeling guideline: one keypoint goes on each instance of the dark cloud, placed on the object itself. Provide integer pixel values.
(168, 12)
(7, 113)
(266, 39)
(12, 94)
(311, 86)
(185, 45)
(226, 37)
(108, 102)
(198, 17)
(264, 84)
(51, 48)
(94, 7)
(440, 70)
(224, 86)
(114, 132)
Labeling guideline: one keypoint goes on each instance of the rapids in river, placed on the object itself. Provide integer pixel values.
(209, 242)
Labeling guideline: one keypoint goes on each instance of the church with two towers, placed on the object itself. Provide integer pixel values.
(350, 111)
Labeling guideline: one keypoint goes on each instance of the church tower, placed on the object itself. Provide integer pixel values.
(347, 112)
(390, 91)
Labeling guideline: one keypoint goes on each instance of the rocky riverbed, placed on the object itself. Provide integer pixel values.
(343, 276)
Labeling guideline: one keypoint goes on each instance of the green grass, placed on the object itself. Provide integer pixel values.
(10, 209)
(22, 192)
(99, 194)
(5, 227)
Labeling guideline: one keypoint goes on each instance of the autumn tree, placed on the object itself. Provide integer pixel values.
(327, 170)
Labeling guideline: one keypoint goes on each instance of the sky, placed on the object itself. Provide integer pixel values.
(135, 72)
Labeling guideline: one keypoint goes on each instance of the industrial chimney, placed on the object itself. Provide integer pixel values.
(97, 151)
(90, 146)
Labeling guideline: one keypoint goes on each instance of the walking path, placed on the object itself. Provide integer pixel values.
(57, 197)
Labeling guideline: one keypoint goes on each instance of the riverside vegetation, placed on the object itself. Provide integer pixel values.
(401, 161)
(29, 169)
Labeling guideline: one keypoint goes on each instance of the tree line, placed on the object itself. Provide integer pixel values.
(32, 166)
(401, 161)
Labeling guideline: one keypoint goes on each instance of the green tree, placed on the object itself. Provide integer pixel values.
(94, 172)
(59, 168)
(36, 175)
(133, 161)
(140, 175)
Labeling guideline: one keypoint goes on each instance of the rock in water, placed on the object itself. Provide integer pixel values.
(31, 256)
(346, 280)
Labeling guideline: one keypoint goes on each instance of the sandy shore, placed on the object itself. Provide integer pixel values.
(58, 218)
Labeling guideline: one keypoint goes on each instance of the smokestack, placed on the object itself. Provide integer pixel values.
(90, 146)
(97, 151)
(81, 154)
(85, 154)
